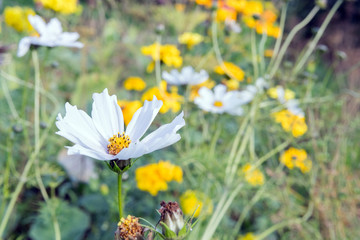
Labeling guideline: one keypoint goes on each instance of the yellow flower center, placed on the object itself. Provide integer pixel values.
(118, 142)
(218, 104)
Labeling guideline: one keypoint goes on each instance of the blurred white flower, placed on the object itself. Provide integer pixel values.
(293, 106)
(102, 135)
(186, 76)
(232, 25)
(220, 101)
(248, 94)
(51, 35)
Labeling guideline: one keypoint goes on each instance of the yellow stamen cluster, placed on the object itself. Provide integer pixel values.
(130, 228)
(218, 104)
(118, 142)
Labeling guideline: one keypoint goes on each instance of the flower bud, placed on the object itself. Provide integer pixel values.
(119, 166)
(172, 220)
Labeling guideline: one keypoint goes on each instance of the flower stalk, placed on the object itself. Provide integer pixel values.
(120, 195)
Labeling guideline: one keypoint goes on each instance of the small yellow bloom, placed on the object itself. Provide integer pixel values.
(171, 100)
(194, 200)
(230, 70)
(224, 13)
(268, 53)
(190, 39)
(154, 177)
(291, 123)
(273, 93)
(231, 84)
(61, 6)
(17, 18)
(195, 88)
(238, 5)
(253, 176)
(104, 189)
(253, 8)
(134, 83)
(294, 157)
(248, 236)
(180, 7)
(206, 3)
(168, 54)
(128, 109)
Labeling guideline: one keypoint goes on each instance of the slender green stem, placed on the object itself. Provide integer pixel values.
(316, 39)
(290, 37)
(120, 196)
(254, 54)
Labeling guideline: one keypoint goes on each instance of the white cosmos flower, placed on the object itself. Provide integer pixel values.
(186, 76)
(102, 136)
(51, 35)
(220, 101)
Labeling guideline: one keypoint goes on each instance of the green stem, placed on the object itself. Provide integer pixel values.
(157, 62)
(316, 39)
(288, 40)
(119, 195)
(254, 54)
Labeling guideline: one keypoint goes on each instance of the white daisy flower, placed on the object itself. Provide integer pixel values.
(51, 35)
(186, 76)
(102, 136)
(220, 101)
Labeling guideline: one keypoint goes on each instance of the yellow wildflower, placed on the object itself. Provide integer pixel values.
(194, 89)
(154, 177)
(230, 70)
(128, 109)
(253, 8)
(238, 5)
(206, 3)
(291, 123)
(294, 157)
(129, 228)
(61, 6)
(171, 100)
(194, 200)
(225, 13)
(180, 7)
(17, 18)
(253, 176)
(248, 236)
(168, 54)
(268, 53)
(273, 93)
(190, 39)
(231, 84)
(134, 83)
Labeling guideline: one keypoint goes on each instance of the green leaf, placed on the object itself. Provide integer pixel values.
(169, 234)
(73, 222)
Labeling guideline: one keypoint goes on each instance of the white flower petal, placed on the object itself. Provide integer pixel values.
(24, 46)
(164, 135)
(219, 91)
(54, 27)
(142, 119)
(38, 23)
(106, 114)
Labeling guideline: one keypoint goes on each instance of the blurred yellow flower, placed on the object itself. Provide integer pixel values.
(230, 70)
(180, 7)
(207, 3)
(248, 236)
(253, 8)
(225, 13)
(154, 177)
(134, 83)
(104, 189)
(194, 200)
(168, 54)
(294, 157)
(253, 176)
(238, 5)
(61, 6)
(128, 109)
(273, 93)
(190, 39)
(17, 18)
(268, 53)
(195, 88)
(231, 84)
(171, 100)
(291, 123)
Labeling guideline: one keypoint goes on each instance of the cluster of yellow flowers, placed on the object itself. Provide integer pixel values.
(291, 122)
(190, 39)
(154, 177)
(195, 200)
(288, 94)
(248, 236)
(167, 54)
(259, 15)
(61, 6)
(171, 100)
(253, 176)
(134, 83)
(233, 72)
(17, 18)
(294, 157)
